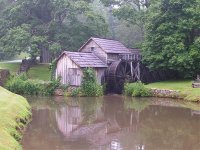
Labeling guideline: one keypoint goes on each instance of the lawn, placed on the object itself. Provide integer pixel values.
(40, 71)
(12, 108)
(13, 67)
(184, 86)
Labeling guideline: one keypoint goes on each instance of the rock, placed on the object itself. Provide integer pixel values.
(196, 85)
(59, 92)
(165, 93)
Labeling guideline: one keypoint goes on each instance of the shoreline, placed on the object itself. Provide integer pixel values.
(155, 92)
(174, 94)
(180, 89)
(15, 113)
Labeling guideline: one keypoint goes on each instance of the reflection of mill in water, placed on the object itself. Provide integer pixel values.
(105, 128)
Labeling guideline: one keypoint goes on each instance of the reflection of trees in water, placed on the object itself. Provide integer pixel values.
(169, 128)
(41, 129)
(192, 106)
(153, 128)
(79, 118)
(135, 104)
(91, 110)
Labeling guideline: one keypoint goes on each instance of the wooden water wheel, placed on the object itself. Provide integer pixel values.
(116, 75)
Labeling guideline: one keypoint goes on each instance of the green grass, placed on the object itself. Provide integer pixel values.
(12, 108)
(13, 67)
(184, 86)
(40, 72)
(21, 56)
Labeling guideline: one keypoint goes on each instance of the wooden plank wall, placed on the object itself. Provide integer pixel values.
(63, 66)
(72, 74)
(113, 56)
(99, 74)
(97, 51)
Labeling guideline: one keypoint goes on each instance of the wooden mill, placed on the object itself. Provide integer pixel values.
(125, 69)
(114, 64)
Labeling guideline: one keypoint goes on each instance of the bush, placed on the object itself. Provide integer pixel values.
(89, 86)
(63, 86)
(136, 90)
(50, 87)
(75, 92)
(31, 88)
(15, 85)
(21, 85)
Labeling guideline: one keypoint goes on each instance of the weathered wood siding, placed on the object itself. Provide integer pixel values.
(72, 74)
(113, 56)
(75, 76)
(97, 51)
(99, 74)
(69, 72)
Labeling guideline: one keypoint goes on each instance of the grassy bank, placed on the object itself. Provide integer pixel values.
(40, 71)
(183, 86)
(14, 112)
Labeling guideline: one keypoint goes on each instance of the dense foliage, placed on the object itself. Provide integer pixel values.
(22, 85)
(136, 90)
(35, 25)
(52, 68)
(133, 12)
(172, 39)
(89, 85)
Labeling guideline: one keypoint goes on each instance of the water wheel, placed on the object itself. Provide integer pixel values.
(116, 75)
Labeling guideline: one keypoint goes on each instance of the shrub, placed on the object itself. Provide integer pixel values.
(136, 90)
(50, 87)
(31, 88)
(15, 85)
(89, 86)
(63, 86)
(21, 85)
(52, 68)
(75, 92)
(23, 76)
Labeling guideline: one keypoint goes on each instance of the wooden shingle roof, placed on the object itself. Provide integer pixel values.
(109, 46)
(84, 60)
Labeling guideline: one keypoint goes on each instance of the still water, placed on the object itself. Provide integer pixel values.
(112, 123)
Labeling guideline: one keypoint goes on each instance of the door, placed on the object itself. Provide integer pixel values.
(74, 76)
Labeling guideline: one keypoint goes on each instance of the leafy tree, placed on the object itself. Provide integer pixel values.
(132, 11)
(34, 25)
(172, 38)
(119, 29)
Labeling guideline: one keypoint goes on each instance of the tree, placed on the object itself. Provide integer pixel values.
(172, 39)
(119, 28)
(132, 11)
(55, 25)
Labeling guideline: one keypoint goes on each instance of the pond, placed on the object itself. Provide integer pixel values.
(112, 123)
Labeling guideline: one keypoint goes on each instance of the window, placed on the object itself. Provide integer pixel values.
(92, 49)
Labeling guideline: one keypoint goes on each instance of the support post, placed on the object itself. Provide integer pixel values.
(138, 67)
(131, 63)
